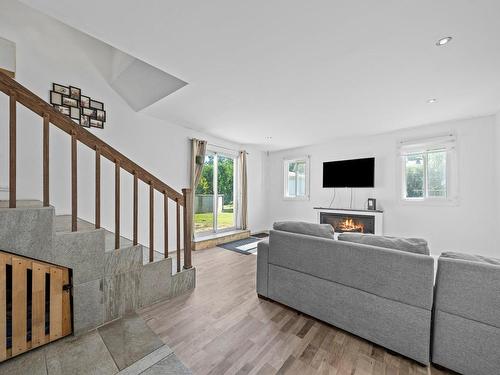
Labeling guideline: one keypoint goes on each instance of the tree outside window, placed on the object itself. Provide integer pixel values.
(225, 175)
(425, 175)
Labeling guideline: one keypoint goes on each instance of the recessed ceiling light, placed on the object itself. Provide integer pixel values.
(443, 41)
(433, 100)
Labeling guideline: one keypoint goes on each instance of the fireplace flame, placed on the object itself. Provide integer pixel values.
(349, 225)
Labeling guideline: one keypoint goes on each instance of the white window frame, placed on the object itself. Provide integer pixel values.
(286, 162)
(425, 146)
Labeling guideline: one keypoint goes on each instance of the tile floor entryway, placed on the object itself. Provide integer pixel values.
(125, 346)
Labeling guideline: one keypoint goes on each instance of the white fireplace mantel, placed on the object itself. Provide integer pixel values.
(378, 214)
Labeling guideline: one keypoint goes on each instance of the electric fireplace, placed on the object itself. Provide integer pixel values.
(348, 222)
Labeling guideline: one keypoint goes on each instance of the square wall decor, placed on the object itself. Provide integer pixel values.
(82, 109)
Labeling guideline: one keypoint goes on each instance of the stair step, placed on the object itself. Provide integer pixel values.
(23, 203)
(62, 224)
(156, 255)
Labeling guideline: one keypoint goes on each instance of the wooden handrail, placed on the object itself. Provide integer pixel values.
(38, 105)
(18, 93)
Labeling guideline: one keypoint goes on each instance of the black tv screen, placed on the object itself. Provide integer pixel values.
(356, 173)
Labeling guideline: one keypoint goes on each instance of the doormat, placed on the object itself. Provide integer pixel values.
(246, 246)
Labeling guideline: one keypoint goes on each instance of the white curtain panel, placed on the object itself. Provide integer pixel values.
(243, 189)
(198, 150)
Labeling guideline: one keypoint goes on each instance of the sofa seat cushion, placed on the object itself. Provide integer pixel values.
(410, 245)
(466, 346)
(471, 258)
(394, 325)
(302, 227)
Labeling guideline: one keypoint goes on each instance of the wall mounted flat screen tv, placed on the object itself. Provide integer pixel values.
(356, 173)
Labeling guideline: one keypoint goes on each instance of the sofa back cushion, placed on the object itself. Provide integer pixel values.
(393, 274)
(468, 286)
(471, 258)
(410, 245)
(302, 227)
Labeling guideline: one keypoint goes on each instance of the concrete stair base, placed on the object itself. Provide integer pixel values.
(107, 283)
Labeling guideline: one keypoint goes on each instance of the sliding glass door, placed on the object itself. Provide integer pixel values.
(225, 189)
(203, 203)
(216, 212)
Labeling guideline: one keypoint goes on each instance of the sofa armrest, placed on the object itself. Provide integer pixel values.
(469, 289)
(262, 267)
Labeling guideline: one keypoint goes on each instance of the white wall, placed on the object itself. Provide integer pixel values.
(258, 190)
(49, 51)
(470, 226)
(497, 162)
(7, 55)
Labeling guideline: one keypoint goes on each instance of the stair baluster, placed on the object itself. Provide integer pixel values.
(97, 188)
(188, 209)
(46, 123)
(12, 150)
(178, 235)
(117, 204)
(136, 210)
(165, 224)
(74, 183)
(151, 222)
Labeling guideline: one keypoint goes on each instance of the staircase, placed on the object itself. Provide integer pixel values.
(110, 274)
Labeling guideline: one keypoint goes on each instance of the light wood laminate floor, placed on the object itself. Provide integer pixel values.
(222, 327)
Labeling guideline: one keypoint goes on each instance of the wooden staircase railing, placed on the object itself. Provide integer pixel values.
(19, 94)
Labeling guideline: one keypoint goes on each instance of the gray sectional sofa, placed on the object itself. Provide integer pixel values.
(381, 294)
(381, 289)
(466, 335)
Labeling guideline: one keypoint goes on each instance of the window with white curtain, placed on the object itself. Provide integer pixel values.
(296, 178)
(429, 170)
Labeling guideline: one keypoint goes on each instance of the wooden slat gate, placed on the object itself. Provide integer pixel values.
(35, 304)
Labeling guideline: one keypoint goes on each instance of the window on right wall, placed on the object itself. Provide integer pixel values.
(429, 170)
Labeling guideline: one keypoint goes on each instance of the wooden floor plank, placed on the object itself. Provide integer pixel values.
(222, 327)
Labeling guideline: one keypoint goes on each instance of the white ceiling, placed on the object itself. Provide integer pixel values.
(304, 72)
